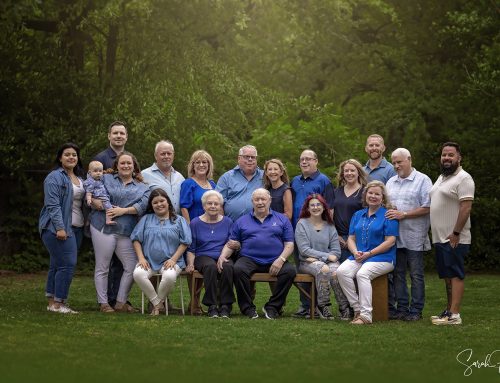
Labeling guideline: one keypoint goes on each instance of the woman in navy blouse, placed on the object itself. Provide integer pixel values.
(160, 238)
(200, 173)
(129, 196)
(372, 243)
(210, 232)
(60, 225)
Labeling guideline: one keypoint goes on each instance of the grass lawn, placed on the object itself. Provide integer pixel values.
(38, 346)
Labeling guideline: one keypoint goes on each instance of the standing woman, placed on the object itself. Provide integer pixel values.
(372, 243)
(319, 249)
(160, 239)
(129, 196)
(60, 225)
(200, 173)
(276, 181)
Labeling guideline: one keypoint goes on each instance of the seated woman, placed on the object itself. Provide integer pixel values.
(160, 238)
(372, 243)
(210, 233)
(319, 249)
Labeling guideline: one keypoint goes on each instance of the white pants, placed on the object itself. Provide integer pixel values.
(167, 283)
(364, 273)
(104, 247)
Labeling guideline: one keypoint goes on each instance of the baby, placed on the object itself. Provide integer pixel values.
(94, 187)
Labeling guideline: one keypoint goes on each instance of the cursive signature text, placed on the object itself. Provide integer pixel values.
(491, 360)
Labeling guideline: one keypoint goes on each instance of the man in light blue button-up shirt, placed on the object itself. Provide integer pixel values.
(409, 192)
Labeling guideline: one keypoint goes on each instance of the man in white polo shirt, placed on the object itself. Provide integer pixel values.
(451, 204)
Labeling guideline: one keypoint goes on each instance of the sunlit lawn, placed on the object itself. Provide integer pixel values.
(41, 346)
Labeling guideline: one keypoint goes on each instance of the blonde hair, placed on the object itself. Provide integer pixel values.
(201, 155)
(362, 178)
(385, 197)
(284, 176)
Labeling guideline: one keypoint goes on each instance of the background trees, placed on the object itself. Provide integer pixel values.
(214, 74)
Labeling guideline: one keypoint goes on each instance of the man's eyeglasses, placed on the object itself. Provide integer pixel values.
(248, 158)
(306, 159)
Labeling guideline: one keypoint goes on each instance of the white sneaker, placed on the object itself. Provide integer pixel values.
(63, 309)
(454, 319)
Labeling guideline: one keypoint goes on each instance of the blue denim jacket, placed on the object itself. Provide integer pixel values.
(135, 194)
(57, 203)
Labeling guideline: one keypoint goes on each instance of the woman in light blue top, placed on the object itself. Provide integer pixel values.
(60, 224)
(160, 239)
(200, 173)
(129, 197)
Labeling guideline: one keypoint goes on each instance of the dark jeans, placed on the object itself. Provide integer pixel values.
(114, 278)
(208, 267)
(413, 261)
(243, 270)
(304, 301)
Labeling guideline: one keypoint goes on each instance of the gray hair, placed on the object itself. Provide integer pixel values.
(401, 152)
(240, 152)
(261, 190)
(211, 193)
(167, 142)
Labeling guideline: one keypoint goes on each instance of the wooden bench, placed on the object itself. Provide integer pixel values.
(265, 277)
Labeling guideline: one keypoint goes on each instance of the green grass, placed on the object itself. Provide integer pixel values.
(40, 346)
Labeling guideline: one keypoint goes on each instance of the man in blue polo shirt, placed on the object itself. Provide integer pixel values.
(238, 184)
(310, 181)
(266, 241)
(377, 167)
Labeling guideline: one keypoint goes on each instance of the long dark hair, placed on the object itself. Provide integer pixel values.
(305, 213)
(158, 192)
(136, 174)
(78, 170)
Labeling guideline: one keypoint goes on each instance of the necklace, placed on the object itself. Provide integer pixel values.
(365, 230)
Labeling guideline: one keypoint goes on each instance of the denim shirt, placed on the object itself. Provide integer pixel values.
(134, 194)
(56, 213)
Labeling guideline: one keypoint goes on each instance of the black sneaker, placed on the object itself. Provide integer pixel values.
(398, 315)
(213, 312)
(301, 313)
(325, 312)
(270, 313)
(225, 311)
(445, 313)
(412, 317)
(251, 313)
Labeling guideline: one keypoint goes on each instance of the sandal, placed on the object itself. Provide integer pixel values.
(157, 309)
(125, 308)
(106, 308)
(361, 320)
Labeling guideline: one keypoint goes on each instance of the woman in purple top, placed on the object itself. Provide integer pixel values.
(200, 173)
(210, 232)
(276, 181)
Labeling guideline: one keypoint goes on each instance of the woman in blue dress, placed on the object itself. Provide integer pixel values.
(160, 239)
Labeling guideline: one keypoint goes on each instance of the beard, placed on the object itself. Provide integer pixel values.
(448, 169)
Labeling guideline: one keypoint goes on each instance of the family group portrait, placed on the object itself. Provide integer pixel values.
(249, 190)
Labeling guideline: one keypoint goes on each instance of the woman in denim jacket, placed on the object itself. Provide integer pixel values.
(60, 224)
(129, 197)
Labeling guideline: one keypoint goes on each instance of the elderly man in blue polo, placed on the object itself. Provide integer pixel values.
(266, 240)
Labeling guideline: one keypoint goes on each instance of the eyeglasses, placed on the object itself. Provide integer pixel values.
(306, 159)
(248, 158)
(315, 204)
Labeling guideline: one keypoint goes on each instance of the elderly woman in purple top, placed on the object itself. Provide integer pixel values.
(129, 197)
(210, 232)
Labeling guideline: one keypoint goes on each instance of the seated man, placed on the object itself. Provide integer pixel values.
(266, 241)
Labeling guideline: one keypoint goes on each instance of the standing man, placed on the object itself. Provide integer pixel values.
(117, 136)
(409, 193)
(163, 175)
(310, 181)
(377, 167)
(238, 184)
(266, 240)
(451, 204)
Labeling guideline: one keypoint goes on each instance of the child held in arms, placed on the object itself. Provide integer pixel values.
(94, 187)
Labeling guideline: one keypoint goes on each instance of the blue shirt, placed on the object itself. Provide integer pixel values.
(301, 187)
(161, 239)
(56, 213)
(237, 191)
(371, 232)
(382, 173)
(209, 238)
(262, 242)
(106, 158)
(134, 194)
(191, 194)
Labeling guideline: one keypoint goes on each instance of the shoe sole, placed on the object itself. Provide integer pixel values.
(266, 315)
(447, 323)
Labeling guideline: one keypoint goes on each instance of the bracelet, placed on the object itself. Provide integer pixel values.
(282, 258)
(370, 253)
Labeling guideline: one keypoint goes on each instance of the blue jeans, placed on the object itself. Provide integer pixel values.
(413, 261)
(63, 256)
(344, 252)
